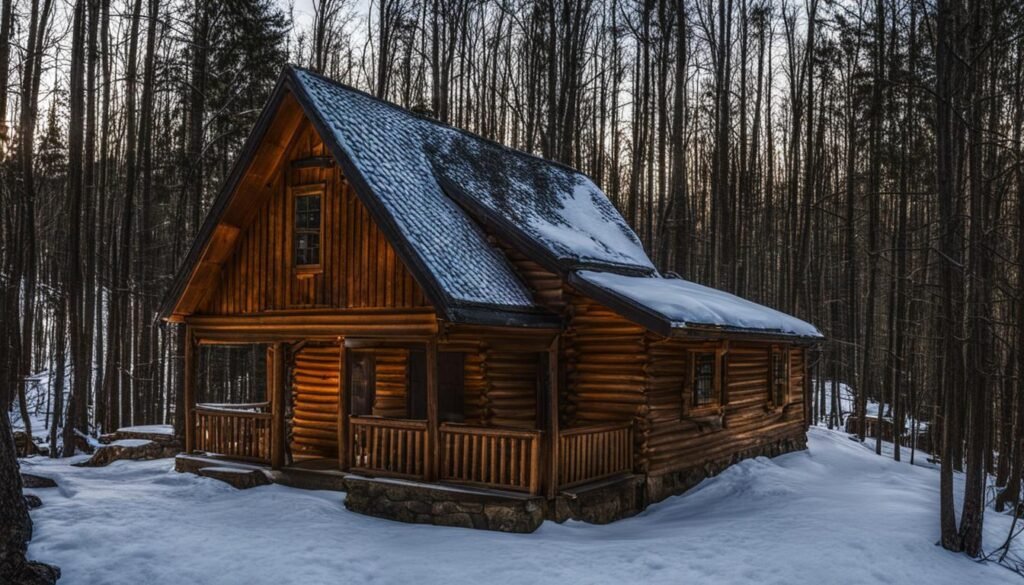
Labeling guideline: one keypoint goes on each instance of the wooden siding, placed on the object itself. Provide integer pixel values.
(391, 395)
(510, 389)
(675, 442)
(359, 267)
(605, 356)
(315, 392)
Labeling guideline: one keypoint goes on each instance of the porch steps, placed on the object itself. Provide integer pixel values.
(297, 477)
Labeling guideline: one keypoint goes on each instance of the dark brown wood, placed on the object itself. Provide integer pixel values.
(344, 430)
(277, 389)
(433, 437)
(553, 415)
(189, 389)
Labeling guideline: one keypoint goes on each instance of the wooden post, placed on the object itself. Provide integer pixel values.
(433, 442)
(277, 375)
(553, 432)
(344, 448)
(189, 390)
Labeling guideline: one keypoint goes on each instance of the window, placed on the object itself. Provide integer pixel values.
(703, 390)
(780, 376)
(307, 229)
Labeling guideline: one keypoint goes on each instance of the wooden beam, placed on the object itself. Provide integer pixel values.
(344, 449)
(313, 162)
(189, 390)
(433, 437)
(270, 327)
(553, 430)
(277, 438)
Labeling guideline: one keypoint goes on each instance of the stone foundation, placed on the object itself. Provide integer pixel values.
(602, 502)
(674, 483)
(443, 505)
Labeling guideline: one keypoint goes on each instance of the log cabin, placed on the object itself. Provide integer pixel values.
(446, 318)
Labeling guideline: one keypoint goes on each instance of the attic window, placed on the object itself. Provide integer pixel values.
(307, 228)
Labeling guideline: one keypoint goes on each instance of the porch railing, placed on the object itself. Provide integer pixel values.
(240, 431)
(594, 452)
(391, 447)
(491, 457)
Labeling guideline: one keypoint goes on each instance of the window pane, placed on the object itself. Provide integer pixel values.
(307, 230)
(704, 379)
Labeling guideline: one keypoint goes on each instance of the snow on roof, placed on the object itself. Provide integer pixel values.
(388, 147)
(686, 304)
(554, 206)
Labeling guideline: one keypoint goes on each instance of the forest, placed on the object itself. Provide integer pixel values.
(857, 163)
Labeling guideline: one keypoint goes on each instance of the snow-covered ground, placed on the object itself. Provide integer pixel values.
(836, 513)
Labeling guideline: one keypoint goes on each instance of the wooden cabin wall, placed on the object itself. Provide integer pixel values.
(675, 442)
(359, 266)
(314, 383)
(510, 389)
(391, 394)
(605, 356)
(547, 287)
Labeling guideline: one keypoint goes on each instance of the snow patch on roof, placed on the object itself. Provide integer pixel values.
(560, 209)
(687, 304)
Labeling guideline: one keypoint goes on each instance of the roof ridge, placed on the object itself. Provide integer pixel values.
(441, 124)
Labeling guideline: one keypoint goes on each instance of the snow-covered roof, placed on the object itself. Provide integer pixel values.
(431, 187)
(674, 303)
(388, 148)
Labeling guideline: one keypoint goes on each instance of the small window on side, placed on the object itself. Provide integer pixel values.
(702, 392)
(780, 376)
(704, 383)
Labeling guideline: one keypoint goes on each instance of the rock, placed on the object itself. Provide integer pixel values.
(36, 481)
(24, 445)
(157, 433)
(32, 501)
(130, 449)
(237, 477)
(33, 573)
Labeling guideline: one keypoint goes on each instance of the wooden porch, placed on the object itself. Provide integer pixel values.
(498, 458)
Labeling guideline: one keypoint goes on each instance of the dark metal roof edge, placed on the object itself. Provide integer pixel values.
(473, 315)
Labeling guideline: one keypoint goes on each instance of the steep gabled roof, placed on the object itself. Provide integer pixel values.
(430, 187)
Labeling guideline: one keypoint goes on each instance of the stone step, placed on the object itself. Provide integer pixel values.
(237, 477)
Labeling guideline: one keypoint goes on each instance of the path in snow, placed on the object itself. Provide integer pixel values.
(834, 514)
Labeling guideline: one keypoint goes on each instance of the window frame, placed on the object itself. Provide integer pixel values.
(714, 406)
(313, 190)
(782, 351)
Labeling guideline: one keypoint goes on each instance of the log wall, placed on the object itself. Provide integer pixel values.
(510, 389)
(676, 441)
(359, 268)
(314, 384)
(391, 394)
